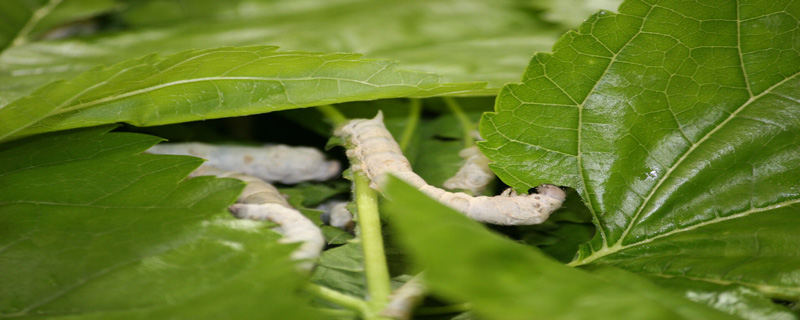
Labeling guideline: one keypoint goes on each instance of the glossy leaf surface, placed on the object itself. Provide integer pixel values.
(505, 280)
(215, 83)
(677, 121)
(91, 229)
(465, 41)
(735, 299)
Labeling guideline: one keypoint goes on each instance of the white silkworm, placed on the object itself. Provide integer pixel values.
(404, 299)
(272, 163)
(373, 150)
(337, 215)
(261, 201)
(474, 175)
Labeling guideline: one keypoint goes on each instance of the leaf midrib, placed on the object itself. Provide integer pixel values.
(174, 83)
(691, 149)
(618, 246)
(774, 291)
(579, 156)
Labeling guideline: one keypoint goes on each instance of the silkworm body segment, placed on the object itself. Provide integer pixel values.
(336, 214)
(373, 151)
(262, 201)
(474, 175)
(272, 163)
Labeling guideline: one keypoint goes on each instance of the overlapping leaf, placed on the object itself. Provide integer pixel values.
(731, 298)
(574, 12)
(465, 41)
(213, 83)
(564, 232)
(504, 280)
(342, 269)
(91, 230)
(22, 20)
(679, 123)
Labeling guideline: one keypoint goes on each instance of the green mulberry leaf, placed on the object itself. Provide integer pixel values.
(678, 123)
(506, 280)
(91, 229)
(208, 84)
(475, 41)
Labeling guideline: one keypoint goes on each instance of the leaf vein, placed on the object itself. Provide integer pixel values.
(689, 151)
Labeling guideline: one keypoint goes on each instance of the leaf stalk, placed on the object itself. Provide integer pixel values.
(415, 111)
(332, 114)
(466, 123)
(375, 267)
(338, 298)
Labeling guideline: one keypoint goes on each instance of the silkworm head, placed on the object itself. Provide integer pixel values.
(552, 191)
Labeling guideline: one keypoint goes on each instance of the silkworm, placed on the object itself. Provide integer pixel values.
(262, 201)
(373, 150)
(404, 299)
(272, 163)
(474, 175)
(336, 214)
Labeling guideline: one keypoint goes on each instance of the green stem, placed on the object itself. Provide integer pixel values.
(456, 308)
(333, 114)
(375, 268)
(338, 313)
(33, 20)
(466, 123)
(414, 112)
(336, 297)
